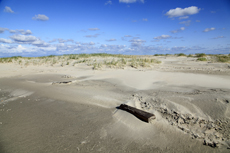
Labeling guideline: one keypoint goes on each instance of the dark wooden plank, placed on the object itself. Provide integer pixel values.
(142, 115)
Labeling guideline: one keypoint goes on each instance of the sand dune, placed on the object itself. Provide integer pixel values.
(73, 108)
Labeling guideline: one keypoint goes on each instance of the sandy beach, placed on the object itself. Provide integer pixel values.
(73, 108)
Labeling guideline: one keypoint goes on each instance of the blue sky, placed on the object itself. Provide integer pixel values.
(45, 27)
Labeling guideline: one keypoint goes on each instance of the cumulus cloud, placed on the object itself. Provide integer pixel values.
(137, 42)
(145, 19)
(209, 29)
(218, 37)
(90, 43)
(60, 40)
(111, 48)
(183, 17)
(111, 40)
(13, 31)
(40, 17)
(178, 48)
(27, 32)
(178, 30)
(2, 40)
(182, 28)
(8, 10)
(162, 37)
(3, 29)
(40, 43)
(53, 40)
(94, 29)
(23, 38)
(90, 36)
(182, 12)
(108, 2)
(177, 37)
(187, 23)
(131, 1)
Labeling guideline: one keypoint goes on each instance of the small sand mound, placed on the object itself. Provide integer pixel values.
(212, 133)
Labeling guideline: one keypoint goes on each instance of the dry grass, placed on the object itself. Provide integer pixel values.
(96, 61)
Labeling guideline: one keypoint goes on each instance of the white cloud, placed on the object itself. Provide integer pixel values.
(3, 29)
(182, 28)
(70, 40)
(178, 48)
(8, 10)
(177, 37)
(53, 40)
(209, 29)
(60, 40)
(13, 31)
(137, 42)
(90, 36)
(183, 17)
(187, 23)
(131, 1)
(14, 49)
(2, 40)
(127, 36)
(182, 12)
(27, 32)
(162, 37)
(40, 17)
(218, 37)
(108, 2)
(94, 29)
(112, 48)
(40, 43)
(23, 38)
(91, 43)
(111, 40)
(178, 30)
(145, 19)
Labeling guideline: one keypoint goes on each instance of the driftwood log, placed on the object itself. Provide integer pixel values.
(142, 115)
(64, 82)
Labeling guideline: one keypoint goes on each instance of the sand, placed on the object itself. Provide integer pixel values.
(73, 108)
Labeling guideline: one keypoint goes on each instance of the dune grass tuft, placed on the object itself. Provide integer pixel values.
(201, 59)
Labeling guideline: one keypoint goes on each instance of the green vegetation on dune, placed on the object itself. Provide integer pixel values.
(180, 54)
(201, 59)
(223, 58)
(200, 54)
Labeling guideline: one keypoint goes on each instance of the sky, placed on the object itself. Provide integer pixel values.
(136, 27)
